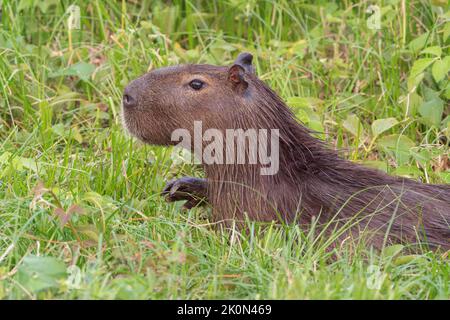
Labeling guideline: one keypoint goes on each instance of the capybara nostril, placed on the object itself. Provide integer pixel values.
(128, 100)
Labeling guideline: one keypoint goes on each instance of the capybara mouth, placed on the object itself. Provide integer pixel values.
(129, 123)
(143, 126)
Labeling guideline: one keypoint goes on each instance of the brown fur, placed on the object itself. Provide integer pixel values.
(313, 183)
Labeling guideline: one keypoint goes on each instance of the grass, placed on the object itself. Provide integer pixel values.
(62, 146)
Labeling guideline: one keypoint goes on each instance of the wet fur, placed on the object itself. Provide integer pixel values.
(313, 183)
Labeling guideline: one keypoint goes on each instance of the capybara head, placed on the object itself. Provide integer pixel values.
(170, 98)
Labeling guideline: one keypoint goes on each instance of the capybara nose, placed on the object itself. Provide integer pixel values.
(128, 100)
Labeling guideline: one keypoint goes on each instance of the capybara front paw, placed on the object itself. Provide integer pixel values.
(193, 190)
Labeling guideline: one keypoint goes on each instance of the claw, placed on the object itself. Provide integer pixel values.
(174, 188)
(193, 190)
(168, 186)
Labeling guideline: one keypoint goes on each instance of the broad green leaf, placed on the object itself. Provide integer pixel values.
(423, 156)
(397, 146)
(440, 3)
(302, 116)
(417, 44)
(19, 163)
(39, 272)
(381, 125)
(413, 81)
(420, 65)
(28, 163)
(75, 134)
(317, 127)
(376, 164)
(391, 251)
(304, 102)
(353, 125)
(410, 172)
(446, 61)
(435, 50)
(411, 103)
(446, 124)
(446, 31)
(100, 201)
(408, 259)
(432, 110)
(81, 70)
(438, 70)
(441, 68)
(68, 133)
(445, 176)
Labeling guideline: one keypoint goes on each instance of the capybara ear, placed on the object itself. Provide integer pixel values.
(236, 77)
(244, 59)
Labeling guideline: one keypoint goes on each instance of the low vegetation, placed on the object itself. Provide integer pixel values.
(80, 210)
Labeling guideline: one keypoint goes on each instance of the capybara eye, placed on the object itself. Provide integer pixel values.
(196, 84)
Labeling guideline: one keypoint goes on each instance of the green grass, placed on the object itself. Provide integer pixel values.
(62, 145)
